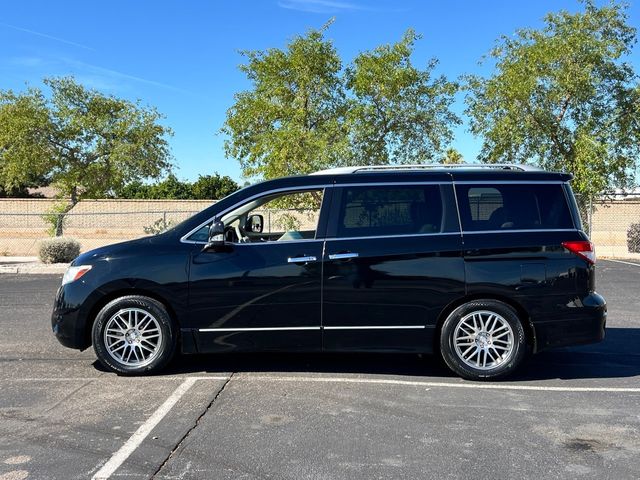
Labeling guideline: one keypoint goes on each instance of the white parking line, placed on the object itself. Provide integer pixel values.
(480, 386)
(275, 378)
(621, 261)
(107, 377)
(137, 438)
(119, 457)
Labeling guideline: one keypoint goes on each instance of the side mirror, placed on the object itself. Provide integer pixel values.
(216, 235)
(254, 224)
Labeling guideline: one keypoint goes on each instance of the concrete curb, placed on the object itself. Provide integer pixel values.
(34, 269)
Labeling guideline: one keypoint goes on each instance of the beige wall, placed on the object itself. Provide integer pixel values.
(100, 222)
(610, 223)
(92, 222)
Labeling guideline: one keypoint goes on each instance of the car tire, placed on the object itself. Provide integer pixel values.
(483, 340)
(134, 335)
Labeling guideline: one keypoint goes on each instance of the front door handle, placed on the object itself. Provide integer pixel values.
(309, 258)
(342, 256)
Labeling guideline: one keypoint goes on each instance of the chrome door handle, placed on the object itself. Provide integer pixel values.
(301, 259)
(342, 256)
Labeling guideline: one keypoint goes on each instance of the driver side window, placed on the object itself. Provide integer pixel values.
(279, 217)
(289, 216)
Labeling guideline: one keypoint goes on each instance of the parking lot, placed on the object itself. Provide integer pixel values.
(570, 413)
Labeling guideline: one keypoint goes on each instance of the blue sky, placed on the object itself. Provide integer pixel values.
(182, 57)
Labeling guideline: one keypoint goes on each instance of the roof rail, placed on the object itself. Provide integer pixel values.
(428, 166)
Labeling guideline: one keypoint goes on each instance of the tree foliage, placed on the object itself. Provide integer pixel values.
(305, 112)
(206, 187)
(398, 113)
(452, 157)
(25, 154)
(563, 97)
(291, 120)
(87, 144)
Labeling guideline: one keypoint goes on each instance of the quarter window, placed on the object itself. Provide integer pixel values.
(513, 207)
(379, 211)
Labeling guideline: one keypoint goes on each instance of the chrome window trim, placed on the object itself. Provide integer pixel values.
(184, 238)
(273, 242)
(531, 230)
(521, 230)
(501, 182)
(328, 239)
(384, 184)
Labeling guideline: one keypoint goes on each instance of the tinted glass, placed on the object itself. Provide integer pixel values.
(201, 235)
(513, 207)
(376, 211)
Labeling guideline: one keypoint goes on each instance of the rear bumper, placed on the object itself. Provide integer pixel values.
(582, 321)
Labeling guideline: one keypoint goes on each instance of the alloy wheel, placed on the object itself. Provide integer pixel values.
(483, 340)
(133, 337)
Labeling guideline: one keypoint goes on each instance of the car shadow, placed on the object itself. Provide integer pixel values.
(618, 356)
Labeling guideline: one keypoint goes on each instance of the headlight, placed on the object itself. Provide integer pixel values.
(74, 273)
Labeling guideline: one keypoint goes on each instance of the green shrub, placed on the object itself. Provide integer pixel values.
(633, 238)
(159, 226)
(58, 250)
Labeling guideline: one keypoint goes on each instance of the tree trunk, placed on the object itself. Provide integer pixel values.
(74, 197)
(61, 216)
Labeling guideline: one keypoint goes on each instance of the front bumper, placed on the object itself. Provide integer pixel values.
(67, 322)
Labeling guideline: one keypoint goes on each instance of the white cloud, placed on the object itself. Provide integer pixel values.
(320, 6)
(90, 75)
(45, 35)
(96, 72)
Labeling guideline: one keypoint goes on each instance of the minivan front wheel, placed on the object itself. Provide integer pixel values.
(134, 335)
(483, 339)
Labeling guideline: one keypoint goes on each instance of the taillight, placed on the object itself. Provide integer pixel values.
(583, 249)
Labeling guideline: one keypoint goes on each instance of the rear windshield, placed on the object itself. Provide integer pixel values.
(513, 207)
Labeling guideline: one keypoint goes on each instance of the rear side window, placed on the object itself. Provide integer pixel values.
(393, 210)
(513, 207)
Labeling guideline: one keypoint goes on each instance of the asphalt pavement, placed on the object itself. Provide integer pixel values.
(570, 413)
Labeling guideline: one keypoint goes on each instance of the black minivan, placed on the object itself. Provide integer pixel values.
(482, 264)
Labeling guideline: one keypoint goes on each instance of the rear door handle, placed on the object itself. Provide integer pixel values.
(342, 256)
(301, 259)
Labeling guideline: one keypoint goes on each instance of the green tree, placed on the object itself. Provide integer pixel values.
(213, 187)
(25, 154)
(452, 157)
(304, 112)
(399, 113)
(168, 188)
(563, 97)
(88, 144)
(290, 121)
(207, 187)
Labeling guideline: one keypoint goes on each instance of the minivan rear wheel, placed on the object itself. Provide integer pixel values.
(134, 335)
(483, 339)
